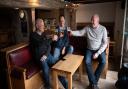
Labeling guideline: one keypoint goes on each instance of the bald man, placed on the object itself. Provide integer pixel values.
(40, 47)
(96, 36)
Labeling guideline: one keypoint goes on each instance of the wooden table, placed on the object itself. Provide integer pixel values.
(67, 68)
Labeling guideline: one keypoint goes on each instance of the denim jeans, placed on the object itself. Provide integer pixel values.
(45, 65)
(57, 52)
(94, 76)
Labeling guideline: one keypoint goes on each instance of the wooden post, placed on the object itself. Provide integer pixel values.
(55, 79)
(80, 71)
(33, 19)
(73, 19)
(72, 12)
(69, 81)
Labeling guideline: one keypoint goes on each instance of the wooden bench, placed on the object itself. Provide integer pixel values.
(80, 44)
(21, 71)
(67, 68)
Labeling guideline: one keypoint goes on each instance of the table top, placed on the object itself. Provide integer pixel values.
(70, 64)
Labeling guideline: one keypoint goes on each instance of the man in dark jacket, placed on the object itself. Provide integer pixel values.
(40, 46)
(62, 46)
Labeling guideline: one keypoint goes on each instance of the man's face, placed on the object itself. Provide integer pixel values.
(40, 25)
(62, 20)
(95, 20)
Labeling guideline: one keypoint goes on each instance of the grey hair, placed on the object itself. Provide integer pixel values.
(37, 20)
(96, 15)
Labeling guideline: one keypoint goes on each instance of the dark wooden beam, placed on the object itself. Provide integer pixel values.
(45, 4)
(92, 1)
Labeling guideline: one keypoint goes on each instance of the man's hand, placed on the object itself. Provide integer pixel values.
(43, 58)
(63, 51)
(61, 34)
(95, 56)
(70, 33)
(55, 38)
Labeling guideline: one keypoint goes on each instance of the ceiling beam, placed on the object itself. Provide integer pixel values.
(92, 1)
(44, 4)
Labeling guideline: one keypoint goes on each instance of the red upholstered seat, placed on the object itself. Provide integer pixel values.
(31, 69)
(22, 58)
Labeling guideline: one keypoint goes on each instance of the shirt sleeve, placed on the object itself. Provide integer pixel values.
(80, 32)
(104, 42)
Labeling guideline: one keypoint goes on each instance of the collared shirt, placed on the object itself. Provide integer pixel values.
(39, 33)
(96, 37)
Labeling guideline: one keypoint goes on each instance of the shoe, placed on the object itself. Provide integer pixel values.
(89, 86)
(73, 87)
(95, 87)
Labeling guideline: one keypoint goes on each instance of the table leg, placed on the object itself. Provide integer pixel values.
(69, 81)
(55, 80)
(80, 71)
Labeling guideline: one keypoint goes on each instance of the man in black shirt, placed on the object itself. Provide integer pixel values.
(40, 46)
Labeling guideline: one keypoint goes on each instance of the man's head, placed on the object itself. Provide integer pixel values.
(40, 25)
(62, 20)
(95, 20)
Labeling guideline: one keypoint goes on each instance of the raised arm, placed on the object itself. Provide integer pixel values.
(80, 32)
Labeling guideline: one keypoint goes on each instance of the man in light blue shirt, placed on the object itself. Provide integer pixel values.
(96, 35)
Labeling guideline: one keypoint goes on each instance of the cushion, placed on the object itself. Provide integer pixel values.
(20, 57)
(31, 69)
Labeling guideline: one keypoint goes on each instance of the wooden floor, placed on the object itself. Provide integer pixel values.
(108, 83)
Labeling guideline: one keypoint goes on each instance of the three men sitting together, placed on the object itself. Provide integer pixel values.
(40, 44)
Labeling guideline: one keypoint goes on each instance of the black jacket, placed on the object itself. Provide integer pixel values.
(39, 45)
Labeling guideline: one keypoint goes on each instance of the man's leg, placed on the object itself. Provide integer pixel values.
(45, 71)
(69, 49)
(61, 78)
(102, 62)
(56, 54)
(63, 81)
(88, 64)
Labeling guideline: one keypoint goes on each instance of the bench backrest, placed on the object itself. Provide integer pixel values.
(79, 43)
(20, 56)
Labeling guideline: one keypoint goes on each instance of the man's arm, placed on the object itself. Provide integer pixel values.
(44, 56)
(80, 32)
(104, 42)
